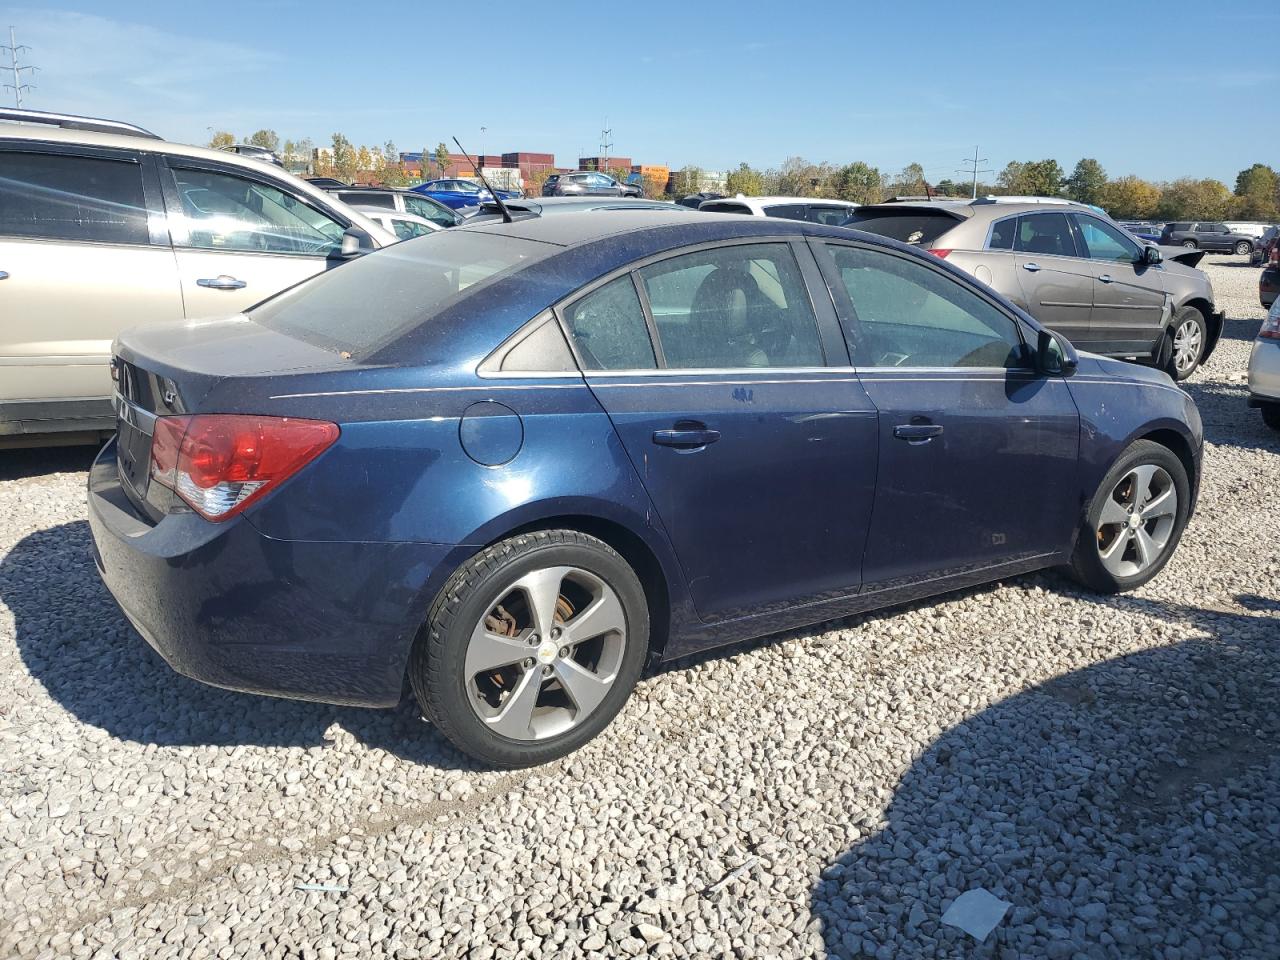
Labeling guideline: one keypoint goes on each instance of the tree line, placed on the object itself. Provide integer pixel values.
(1256, 194)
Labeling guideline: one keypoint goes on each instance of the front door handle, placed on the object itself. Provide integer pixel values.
(1032, 267)
(1106, 278)
(222, 282)
(685, 438)
(917, 432)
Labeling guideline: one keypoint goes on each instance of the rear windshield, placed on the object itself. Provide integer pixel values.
(907, 225)
(725, 207)
(359, 307)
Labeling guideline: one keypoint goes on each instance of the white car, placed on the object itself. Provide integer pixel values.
(103, 226)
(404, 225)
(815, 209)
(1264, 369)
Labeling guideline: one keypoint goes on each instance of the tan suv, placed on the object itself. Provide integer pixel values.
(105, 226)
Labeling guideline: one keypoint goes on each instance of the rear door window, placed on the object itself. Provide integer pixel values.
(1048, 234)
(786, 211)
(609, 329)
(360, 198)
(64, 197)
(733, 307)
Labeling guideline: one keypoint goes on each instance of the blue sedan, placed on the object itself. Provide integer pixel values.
(517, 463)
(460, 193)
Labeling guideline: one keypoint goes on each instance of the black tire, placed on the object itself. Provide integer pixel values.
(1182, 316)
(1086, 563)
(1244, 248)
(1271, 415)
(1190, 244)
(436, 664)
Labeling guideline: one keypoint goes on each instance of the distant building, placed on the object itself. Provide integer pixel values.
(529, 163)
(459, 166)
(652, 171)
(604, 163)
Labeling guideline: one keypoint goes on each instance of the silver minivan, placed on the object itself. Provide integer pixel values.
(104, 226)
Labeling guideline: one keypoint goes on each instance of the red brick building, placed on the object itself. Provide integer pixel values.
(604, 163)
(529, 163)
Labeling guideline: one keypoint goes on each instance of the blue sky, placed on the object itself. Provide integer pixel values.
(705, 83)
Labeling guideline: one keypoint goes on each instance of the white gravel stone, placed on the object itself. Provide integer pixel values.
(1108, 765)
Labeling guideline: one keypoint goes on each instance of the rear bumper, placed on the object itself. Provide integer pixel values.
(1264, 372)
(225, 605)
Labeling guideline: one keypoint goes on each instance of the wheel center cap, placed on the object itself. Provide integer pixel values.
(1134, 521)
(547, 652)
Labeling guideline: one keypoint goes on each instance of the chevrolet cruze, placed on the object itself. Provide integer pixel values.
(518, 462)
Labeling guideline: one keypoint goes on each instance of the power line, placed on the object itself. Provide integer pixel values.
(13, 48)
(975, 169)
(606, 144)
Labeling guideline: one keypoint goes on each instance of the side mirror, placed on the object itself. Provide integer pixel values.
(1151, 256)
(1055, 356)
(355, 243)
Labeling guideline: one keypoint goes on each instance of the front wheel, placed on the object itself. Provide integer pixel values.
(1271, 415)
(1244, 248)
(1135, 520)
(1190, 335)
(1190, 244)
(532, 647)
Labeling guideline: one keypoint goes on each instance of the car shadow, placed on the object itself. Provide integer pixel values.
(1128, 809)
(74, 640)
(20, 463)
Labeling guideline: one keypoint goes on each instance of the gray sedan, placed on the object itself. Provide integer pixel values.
(1264, 369)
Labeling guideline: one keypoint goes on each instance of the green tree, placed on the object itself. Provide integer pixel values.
(686, 180)
(1087, 183)
(1257, 193)
(1130, 198)
(858, 182)
(909, 182)
(745, 180)
(267, 139)
(441, 159)
(222, 140)
(345, 158)
(392, 172)
(1191, 199)
(1034, 178)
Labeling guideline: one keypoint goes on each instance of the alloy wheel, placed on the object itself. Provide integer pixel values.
(1138, 520)
(545, 653)
(1188, 341)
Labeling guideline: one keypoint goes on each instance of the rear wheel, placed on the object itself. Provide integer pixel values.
(1190, 244)
(1271, 415)
(532, 647)
(1135, 520)
(1244, 248)
(1190, 334)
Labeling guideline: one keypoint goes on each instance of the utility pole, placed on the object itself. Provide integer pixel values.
(13, 48)
(606, 145)
(976, 170)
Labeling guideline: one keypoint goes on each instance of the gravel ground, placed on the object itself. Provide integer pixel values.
(1108, 766)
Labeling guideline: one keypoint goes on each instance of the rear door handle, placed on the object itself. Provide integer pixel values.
(1032, 267)
(685, 438)
(222, 282)
(917, 432)
(1106, 278)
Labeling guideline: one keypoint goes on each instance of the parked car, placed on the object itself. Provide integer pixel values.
(1072, 269)
(104, 225)
(833, 212)
(324, 183)
(1264, 368)
(1249, 228)
(1206, 236)
(404, 225)
(695, 200)
(456, 194)
(1145, 231)
(588, 184)
(257, 153)
(518, 462)
(1266, 247)
(404, 201)
(1269, 284)
(489, 212)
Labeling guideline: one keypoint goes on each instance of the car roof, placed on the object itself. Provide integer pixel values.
(576, 228)
(773, 201)
(964, 209)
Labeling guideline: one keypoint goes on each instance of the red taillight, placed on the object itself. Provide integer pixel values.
(941, 252)
(220, 463)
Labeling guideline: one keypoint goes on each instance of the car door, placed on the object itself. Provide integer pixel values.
(977, 450)
(729, 388)
(1130, 306)
(1056, 281)
(239, 237)
(83, 254)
